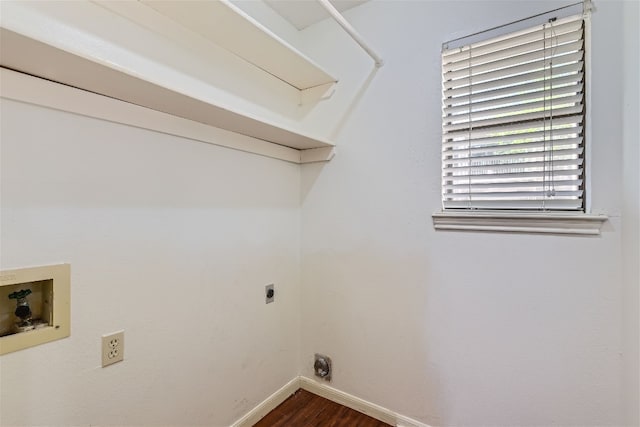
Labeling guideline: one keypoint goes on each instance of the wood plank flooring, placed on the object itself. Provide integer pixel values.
(304, 409)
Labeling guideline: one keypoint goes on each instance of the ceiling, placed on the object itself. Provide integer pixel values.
(302, 13)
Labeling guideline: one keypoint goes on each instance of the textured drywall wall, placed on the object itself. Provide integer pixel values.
(631, 212)
(171, 240)
(431, 325)
(454, 328)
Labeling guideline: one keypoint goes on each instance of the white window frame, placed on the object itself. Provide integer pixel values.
(544, 222)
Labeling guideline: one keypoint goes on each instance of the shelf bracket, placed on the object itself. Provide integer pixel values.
(317, 93)
(316, 155)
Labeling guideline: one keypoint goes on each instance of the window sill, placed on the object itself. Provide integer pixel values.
(520, 222)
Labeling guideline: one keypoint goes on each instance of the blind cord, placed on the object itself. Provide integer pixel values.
(552, 192)
(544, 116)
(548, 190)
(469, 134)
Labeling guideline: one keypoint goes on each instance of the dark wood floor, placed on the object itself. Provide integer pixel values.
(304, 409)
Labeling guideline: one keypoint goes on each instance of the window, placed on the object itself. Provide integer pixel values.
(514, 126)
(514, 121)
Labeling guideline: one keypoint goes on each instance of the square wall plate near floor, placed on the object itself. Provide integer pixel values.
(34, 306)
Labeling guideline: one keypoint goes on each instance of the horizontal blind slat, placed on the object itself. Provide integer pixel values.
(573, 204)
(539, 83)
(513, 137)
(533, 195)
(551, 42)
(480, 178)
(515, 112)
(514, 195)
(509, 167)
(529, 185)
(491, 123)
(505, 158)
(524, 59)
(547, 145)
(512, 128)
(497, 76)
(537, 92)
(560, 26)
(488, 89)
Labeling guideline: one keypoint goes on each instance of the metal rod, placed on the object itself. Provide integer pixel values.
(351, 31)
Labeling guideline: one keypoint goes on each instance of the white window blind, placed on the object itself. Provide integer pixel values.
(513, 120)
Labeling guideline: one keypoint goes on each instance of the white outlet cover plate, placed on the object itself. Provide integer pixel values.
(112, 348)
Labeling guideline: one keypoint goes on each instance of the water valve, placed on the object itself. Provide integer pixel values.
(23, 311)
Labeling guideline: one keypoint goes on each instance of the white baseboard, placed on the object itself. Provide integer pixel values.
(378, 412)
(269, 404)
(360, 405)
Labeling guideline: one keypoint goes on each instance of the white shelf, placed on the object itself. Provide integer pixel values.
(32, 90)
(39, 43)
(228, 26)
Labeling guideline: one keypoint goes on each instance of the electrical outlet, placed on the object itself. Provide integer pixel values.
(269, 293)
(112, 348)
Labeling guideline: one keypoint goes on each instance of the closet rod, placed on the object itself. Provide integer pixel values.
(351, 31)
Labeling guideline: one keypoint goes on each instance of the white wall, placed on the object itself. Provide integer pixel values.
(427, 324)
(169, 239)
(631, 212)
(455, 328)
